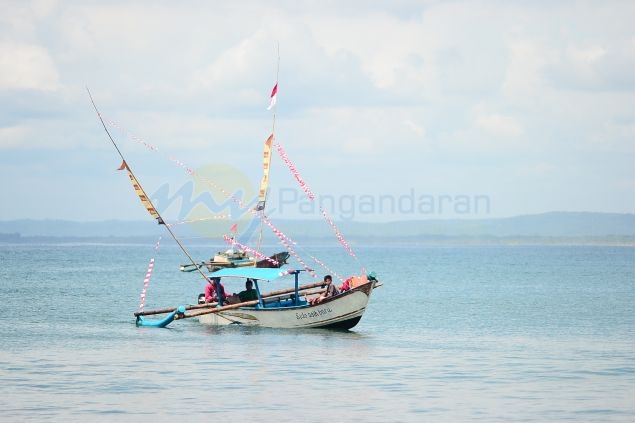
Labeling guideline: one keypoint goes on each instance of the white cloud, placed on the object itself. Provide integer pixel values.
(45, 135)
(626, 184)
(27, 67)
(524, 80)
(419, 130)
(541, 169)
(372, 132)
(587, 55)
(362, 85)
(499, 125)
(12, 137)
(391, 50)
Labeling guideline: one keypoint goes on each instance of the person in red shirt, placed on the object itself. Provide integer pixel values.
(210, 291)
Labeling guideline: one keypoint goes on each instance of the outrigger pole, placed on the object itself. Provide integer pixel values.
(145, 199)
(305, 289)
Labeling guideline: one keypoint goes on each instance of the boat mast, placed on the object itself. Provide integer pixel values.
(268, 145)
(159, 218)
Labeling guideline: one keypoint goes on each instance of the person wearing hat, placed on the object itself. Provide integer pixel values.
(211, 295)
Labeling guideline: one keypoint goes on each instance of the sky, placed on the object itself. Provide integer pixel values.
(387, 110)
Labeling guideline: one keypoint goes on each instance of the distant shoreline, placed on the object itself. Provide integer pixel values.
(607, 241)
(552, 228)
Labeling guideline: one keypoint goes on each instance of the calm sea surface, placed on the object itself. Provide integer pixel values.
(455, 334)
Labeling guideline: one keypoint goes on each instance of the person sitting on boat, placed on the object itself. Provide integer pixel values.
(331, 291)
(346, 285)
(249, 294)
(210, 290)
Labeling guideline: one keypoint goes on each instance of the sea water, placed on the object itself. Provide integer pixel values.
(456, 333)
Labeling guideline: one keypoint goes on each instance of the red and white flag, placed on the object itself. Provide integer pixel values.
(274, 97)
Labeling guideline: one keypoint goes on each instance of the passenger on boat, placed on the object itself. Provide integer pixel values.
(249, 294)
(346, 285)
(331, 291)
(210, 290)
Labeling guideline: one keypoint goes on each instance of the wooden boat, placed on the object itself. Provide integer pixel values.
(286, 308)
(292, 309)
(236, 258)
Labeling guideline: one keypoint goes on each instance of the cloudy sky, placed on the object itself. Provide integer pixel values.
(530, 105)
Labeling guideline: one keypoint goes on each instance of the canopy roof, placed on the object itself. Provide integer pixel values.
(259, 273)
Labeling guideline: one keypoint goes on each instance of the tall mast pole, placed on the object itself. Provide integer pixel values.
(160, 219)
(273, 131)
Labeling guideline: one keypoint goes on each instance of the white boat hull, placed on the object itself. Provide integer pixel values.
(342, 311)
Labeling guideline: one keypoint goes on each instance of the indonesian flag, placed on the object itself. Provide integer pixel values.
(274, 97)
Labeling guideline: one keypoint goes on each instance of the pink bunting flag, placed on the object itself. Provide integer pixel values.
(146, 280)
(283, 238)
(331, 271)
(255, 253)
(294, 172)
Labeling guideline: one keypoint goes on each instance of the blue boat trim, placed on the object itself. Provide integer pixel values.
(259, 273)
(163, 322)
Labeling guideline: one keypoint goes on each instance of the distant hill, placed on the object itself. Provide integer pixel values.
(572, 226)
(68, 228)
(563, 224)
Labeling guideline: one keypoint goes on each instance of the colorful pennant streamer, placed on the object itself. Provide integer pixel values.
(266, 167)
(128, 133)
(337, 233)
(311, 197)
(325, 267)
(178, 162)
(255, 253)
(140, 193)
(202, 219)
(286, 241)
(294, 172)
(146, 281)
(283, 238)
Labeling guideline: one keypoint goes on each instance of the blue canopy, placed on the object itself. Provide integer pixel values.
(263, 274)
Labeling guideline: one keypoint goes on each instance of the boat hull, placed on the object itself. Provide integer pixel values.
(343, 311)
